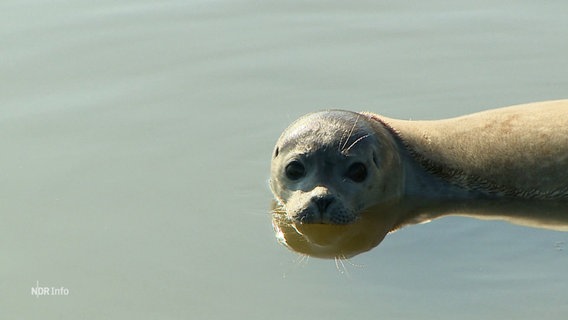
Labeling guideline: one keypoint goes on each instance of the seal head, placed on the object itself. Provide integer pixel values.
(329, 166)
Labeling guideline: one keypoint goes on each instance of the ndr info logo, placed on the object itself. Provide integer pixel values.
(49, 291)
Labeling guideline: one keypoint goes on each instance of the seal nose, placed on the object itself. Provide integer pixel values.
(322, 202)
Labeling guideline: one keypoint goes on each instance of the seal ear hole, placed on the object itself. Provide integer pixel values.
(375, 159)
(357, 172)
(276, 151)
(295, 170)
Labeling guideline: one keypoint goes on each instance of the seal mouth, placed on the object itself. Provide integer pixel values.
(325, 209)
(334, 220)
(309, 217)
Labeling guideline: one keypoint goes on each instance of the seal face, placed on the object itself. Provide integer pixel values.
(330, 165)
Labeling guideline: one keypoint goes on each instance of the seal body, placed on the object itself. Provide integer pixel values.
(519, 151)
(329, 166)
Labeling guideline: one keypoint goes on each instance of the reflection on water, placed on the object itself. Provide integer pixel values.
(345, 241)
(330, 241)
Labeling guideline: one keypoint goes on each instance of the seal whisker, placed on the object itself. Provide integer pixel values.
(354, 143)
(336, 259)
(341, 143)
(340, 265)
(352, 263)
(302, 259)
(342, 150)
(279, 209)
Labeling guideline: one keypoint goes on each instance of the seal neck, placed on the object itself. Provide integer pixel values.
(420, 183)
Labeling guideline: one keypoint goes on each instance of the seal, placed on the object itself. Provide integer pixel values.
(329, 166)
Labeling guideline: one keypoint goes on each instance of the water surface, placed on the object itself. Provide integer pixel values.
(136, 140)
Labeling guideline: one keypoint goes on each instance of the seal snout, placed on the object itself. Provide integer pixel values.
(319, 207)
(322, 202)
(323, 207)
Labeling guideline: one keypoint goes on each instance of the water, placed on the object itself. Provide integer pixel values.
(136, 140)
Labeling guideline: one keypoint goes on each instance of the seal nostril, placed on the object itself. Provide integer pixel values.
(322, 202)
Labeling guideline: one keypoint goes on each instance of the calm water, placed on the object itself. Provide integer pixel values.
(136, 140)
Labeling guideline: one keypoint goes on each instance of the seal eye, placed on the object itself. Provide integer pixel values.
(295, 170)
(357, 172)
